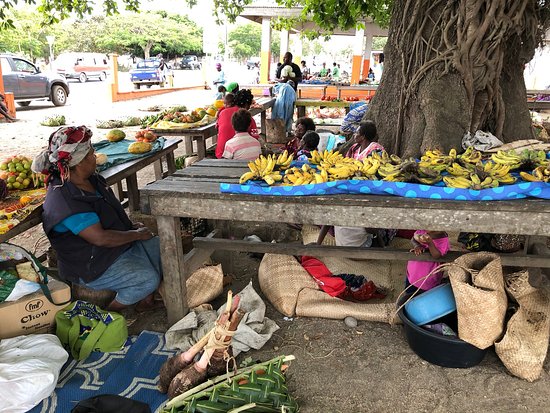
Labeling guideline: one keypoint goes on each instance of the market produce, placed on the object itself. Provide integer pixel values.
(100, 158)
(16, 172)
(470, 156)
(139, 147)
(539, 174)
(267, 168)
(526, 159)
(146, 135)
(305, 175)
(56, 120)
(435, 159)
(115, 135)
(409, 171)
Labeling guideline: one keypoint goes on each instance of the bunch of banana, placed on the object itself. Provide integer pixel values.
(383, 157)
(283, 160)
(409, 171)
(437, 160)
(456, 169)
(368, 168)
(305, 175)
(346, 169)
(539, 174)
(470, 182)
(326, 159)
(470, 156)
(499, 172)
(526, 159)
(262, 168)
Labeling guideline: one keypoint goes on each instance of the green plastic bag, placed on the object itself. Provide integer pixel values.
(83, 327)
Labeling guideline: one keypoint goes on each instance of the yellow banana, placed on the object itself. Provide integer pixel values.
(246, 177)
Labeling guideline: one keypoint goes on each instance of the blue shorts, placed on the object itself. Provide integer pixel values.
(134, 275)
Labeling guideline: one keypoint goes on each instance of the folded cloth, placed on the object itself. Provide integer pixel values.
(253, 332)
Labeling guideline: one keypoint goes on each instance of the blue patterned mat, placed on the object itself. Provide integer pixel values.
(505, 192)
(131, 372)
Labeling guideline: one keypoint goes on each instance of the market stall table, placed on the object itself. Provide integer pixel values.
(195, 192)
(114, 177)
(301, 105)
(203, 133)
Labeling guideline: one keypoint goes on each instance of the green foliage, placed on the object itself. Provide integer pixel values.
(378, 43)
(27, 37)
(246, 41)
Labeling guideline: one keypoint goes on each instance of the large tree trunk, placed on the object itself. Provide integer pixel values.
(453, 67)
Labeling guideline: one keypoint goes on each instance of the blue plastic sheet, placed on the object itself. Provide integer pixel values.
(505, 192)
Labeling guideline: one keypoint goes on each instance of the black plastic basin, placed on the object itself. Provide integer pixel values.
(444, 351)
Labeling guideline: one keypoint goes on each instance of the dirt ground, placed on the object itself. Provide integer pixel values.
(369, 368)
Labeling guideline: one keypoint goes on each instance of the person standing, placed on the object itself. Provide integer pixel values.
(335, 71)
(219, 79)
(295, 73)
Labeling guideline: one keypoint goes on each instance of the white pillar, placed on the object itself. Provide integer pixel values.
(284, 43)
(266, 50)
(298, 49)
(357, 59)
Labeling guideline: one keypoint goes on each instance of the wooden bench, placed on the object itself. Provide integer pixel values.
(195, 192)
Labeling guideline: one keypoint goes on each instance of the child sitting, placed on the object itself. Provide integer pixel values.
(242, 145)
(437, 243)
(221, 92)
(228, 102)
(308, 144)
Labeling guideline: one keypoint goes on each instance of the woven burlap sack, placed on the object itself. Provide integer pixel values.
(281, 279)
(481, 302)
(525, 344)
(204, 285)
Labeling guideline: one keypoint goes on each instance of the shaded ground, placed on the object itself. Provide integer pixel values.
(337, 369)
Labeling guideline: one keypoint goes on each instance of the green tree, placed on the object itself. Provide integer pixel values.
(246, 41)
(378, 43)
(451, 66)
(27, 37)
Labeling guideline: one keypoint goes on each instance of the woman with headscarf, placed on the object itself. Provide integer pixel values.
(96, 243)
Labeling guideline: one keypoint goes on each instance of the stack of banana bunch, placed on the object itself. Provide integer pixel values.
(305, 175)
(267, 168)
(339, 167)
(539, 174)
(409, 170)
(526, 159)
(437, 160)
(326, 159)
(480, 176)
(470, 156)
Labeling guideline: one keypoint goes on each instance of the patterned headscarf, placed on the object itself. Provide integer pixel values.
(67, 147)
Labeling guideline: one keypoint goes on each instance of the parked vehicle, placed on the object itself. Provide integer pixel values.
(82, 66)
(27, 83)
(147, 73)
(190, 62)
(252, 63)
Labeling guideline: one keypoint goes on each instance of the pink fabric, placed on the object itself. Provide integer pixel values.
(242, 146)
(226, 131)
(418, 269)
(355, 151)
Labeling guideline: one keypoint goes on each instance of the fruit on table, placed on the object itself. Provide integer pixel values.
(218, 104)
(139, 147)
(146, 135)
(16, 172)
(100, 158)
(211, 111)
(115, 135)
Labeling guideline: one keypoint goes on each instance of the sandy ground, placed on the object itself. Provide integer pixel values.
(369, 368)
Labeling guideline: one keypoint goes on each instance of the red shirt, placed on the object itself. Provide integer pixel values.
(226, 131)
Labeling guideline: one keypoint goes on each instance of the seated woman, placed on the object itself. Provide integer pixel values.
(302, 126)
(242, 100)
(96, 243)
(366, 139)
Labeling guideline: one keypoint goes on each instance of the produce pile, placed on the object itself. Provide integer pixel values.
(467, 170)
(143, 144)
(16, 172)
(186, 120)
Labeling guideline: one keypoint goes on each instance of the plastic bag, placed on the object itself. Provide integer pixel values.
(481, 141)
(29, 369)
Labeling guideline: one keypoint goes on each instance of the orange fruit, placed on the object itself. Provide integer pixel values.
(25, 199)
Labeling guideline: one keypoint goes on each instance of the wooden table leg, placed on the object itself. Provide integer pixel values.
(188, 145)
(119, 192)
(201, 146)
(301, 111)
(173, 268)
(170, 163)
(133, 192)
(263, 122)
(157, 166)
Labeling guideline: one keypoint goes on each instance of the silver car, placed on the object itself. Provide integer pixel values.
(27, 83)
